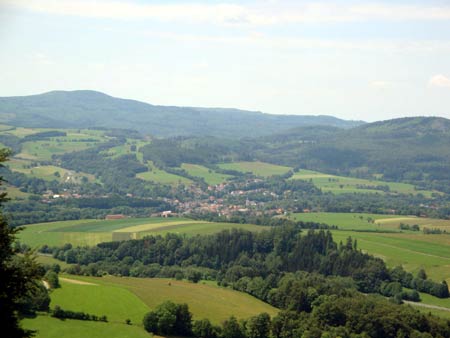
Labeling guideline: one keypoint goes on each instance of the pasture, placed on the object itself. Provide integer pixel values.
(91, 232)
(205, 300)
(372, 222)
(413, 251)
(163, 177)
(48, 327)
(341, 184)
(48, 172)
(211, 177)
(257, 168)
(116, 302)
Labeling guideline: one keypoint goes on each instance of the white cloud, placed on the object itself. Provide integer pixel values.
(439, 80)
(380, 84)
(265, 13)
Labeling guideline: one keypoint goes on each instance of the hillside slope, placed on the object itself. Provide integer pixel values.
(414, 149)
(84, 109)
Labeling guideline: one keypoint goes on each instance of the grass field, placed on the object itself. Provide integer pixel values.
(256, 168)
(14, 192)
(413, 251)
(204, 300)
(47, 172)
(160, 176)
(341, 184)
(120, 298)
(43, 150)
(116, 302)
(375, 222)
(211, 177)
(48, 327)
(91, 232)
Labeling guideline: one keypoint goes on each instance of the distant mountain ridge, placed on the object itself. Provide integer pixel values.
(85, 108)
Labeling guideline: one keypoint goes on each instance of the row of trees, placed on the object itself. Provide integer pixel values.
(332, 316)
(229, 256)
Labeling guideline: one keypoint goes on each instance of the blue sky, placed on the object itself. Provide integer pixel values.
(368, 60)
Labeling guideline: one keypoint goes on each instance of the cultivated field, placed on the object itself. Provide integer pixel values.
(204, 300)
(130, 298)
(160, 176)
(256, 168)
(374, 222)
(413, 251)
(48, 327)
(211, 177)
(341, 184)
(91, 232)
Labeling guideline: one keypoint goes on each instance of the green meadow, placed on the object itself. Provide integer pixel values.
(210, 176)
(257, 168)
(205, 300)
(122, 298)
(91, 232)
(412, 251)
(163, 177)
(48, 327)
(341, 184)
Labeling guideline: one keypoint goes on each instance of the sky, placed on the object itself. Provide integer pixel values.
(360, 60)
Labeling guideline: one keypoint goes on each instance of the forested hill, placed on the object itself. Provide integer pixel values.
(412, 149)
(86, 109)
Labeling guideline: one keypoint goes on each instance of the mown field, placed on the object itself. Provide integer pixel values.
(374, 222)
(257, 168)
(413, 251)
(211, 177)
(130, 298)
(380, 235)
(48, 327)
(91, 232)
(48, 172)
(163, 177)
(341, 184)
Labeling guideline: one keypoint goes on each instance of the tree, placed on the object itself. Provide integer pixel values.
(259, 326)
(232, 329)
(204, 329)
(52, 278)
(169, 319)
(19, 275)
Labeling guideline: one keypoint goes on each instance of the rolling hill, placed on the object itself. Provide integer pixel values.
(85, 109)
(412, 149)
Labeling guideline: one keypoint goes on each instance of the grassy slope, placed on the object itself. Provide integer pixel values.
(204, 300)
(413, 251)
(210, 177)
(349, 185)
(163, 177)
(116, 302)
(121, 298)
(257, 168)
(91, 232)
(48, 327)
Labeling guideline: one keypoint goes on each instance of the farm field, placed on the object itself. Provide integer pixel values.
(210, 176)
(14, 192)
(43, 150)
(256, 168)
(413, 251)
(120, 298)
(374, 222)
(116, 302)
(160, 176)
(204, 300)
(47, 172)
(48, 327)
(341, 184)
(91, 232)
